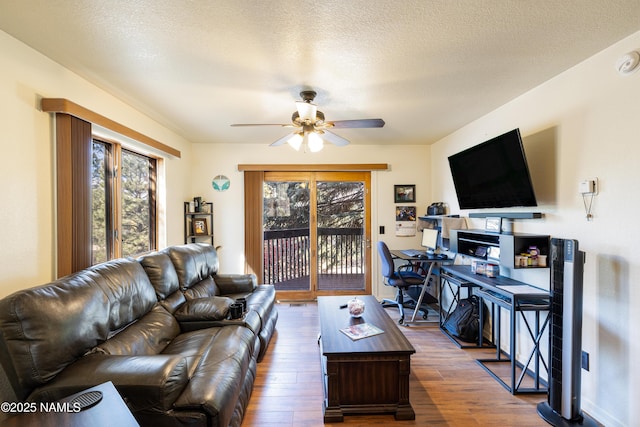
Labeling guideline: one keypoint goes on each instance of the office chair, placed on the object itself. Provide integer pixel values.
(401, 278)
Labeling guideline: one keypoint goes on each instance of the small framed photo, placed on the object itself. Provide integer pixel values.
(200, 227)
(404, 193)
(405, 213)
(493, 224)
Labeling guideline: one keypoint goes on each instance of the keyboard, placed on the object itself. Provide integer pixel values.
(414, 253)
(417, 253)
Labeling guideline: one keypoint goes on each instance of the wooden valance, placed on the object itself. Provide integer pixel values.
(61, 105)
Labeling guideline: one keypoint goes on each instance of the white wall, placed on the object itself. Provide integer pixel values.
(408, 165)
(583, 124)
(27, 213)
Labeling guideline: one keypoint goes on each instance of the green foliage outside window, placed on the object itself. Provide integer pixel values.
(135, 235)
(136, 208)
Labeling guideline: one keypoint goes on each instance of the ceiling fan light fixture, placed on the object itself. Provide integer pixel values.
(306, 111)
(295, 141)
(314, 142)
(311, 129)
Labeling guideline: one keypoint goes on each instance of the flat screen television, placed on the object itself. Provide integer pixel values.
(493, 174)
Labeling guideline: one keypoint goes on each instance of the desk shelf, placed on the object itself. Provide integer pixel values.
(498, 248)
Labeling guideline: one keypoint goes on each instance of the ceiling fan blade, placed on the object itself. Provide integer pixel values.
(361, 123)
(334, 139)
(288, 125)
(282, 140)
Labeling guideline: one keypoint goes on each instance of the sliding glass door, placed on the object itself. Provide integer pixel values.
(287, 232)
(316, 237)
(341, 238)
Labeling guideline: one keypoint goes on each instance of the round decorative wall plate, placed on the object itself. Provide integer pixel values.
(221, 183)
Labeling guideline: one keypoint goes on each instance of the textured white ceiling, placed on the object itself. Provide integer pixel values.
(427, 67)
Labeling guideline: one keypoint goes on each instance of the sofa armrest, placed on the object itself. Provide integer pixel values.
(143, 381)
(235, 283)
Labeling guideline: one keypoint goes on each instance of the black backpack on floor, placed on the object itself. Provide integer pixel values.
(464, 321)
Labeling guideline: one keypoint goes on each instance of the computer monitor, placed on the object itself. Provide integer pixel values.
(430, 239)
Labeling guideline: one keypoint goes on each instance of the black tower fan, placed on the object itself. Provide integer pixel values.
(562, 407)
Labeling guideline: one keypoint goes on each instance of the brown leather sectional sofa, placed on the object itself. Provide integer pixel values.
(155, 326)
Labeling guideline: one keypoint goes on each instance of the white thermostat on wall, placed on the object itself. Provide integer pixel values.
(588, 186)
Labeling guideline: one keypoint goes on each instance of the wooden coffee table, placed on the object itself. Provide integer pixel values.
(369, 375)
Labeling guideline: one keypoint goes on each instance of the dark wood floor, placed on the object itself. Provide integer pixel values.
(448, 388)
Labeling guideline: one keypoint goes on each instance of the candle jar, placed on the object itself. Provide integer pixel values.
(355, 307)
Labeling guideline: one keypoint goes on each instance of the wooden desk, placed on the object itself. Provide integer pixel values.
(518, 298)
(110, 411)
(369, 375)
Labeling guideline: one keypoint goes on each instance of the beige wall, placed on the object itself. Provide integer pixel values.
(585, 120)
(27, 214)
(408, 165)
(580, 125)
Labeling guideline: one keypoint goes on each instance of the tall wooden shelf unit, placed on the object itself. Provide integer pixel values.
(191, 219)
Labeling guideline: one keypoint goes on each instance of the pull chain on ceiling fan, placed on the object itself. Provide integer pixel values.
(312, 129)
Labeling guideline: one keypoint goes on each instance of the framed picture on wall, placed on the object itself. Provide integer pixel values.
(405, 213)
(405, 221)
(404, 193)
(200, 227)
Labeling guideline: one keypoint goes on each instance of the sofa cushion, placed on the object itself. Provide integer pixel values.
(192, 345)
(193, 262)
(162, 275)
(234, 283)
(48, 327)
(164, 279)
(202, 289)
(208, 308)
(147, 336)
(128, 288)
(216, 384)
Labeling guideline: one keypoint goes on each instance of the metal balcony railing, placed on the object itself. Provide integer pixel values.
(287, 253)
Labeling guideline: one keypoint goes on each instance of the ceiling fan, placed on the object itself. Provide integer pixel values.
(311, 127)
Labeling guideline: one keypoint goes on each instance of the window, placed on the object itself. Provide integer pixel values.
(123, 202)
(138, 175)
(101, 248)
(76, 239)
